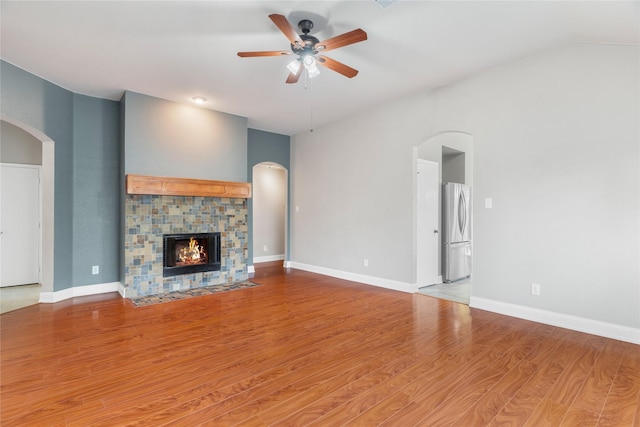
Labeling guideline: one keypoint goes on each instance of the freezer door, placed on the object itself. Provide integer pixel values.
(457, 261)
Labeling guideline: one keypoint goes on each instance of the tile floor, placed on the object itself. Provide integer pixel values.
(457, 291)
(15, 297)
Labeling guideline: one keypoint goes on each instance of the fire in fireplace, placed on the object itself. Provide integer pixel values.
(190, 253)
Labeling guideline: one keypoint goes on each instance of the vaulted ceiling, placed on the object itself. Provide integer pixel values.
(178, 50)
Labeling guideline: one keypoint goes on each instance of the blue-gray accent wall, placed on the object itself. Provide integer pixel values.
(78, 125)
(262, 147)
(96, 181)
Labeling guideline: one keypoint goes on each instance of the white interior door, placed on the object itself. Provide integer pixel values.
(427, 221)
(19, 224)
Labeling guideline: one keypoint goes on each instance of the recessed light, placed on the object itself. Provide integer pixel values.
(199, 100)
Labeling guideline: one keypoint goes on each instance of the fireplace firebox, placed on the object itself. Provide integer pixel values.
(190, 253)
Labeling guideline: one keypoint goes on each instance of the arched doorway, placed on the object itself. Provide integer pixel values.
(270, 195)
(453, 152)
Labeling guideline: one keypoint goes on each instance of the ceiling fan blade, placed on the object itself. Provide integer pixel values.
(337, 66)
(264, 53)
(345, 39)
(287, 29)
(293, 78)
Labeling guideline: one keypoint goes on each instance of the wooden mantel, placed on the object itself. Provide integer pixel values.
(164, 186)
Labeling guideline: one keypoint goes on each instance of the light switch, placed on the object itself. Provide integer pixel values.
(488, 203)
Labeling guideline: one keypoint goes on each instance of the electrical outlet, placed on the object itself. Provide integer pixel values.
(535, 289)
(176, 287)
(366, 263)
(95, 269)
(265, 248)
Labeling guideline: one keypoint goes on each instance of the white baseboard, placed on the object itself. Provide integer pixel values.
(268, 258)
(251, 269)
(361, 278)
(79, 291)
(580, 324)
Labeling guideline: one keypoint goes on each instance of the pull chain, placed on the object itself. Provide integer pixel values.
(310, 97)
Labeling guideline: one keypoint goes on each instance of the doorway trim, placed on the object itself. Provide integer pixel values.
(47, 191)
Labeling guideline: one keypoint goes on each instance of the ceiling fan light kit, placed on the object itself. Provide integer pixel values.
(310, 64)
(294, 66)
(308, 47)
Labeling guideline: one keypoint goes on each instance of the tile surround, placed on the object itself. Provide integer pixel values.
(148, 217)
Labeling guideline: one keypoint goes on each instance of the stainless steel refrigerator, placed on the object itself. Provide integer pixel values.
(457, 231)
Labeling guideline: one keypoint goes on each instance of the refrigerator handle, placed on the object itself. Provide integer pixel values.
(462, 213)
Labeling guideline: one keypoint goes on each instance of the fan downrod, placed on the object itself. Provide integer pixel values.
(305, 26)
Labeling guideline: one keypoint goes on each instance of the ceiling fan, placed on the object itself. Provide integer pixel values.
(309, 49)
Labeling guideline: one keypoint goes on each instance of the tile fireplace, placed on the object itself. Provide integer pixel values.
(218, 226)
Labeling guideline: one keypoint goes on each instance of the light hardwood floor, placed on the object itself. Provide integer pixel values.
(306, 349)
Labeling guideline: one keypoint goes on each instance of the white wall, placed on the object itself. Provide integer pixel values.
(352, 183)
(555, 141)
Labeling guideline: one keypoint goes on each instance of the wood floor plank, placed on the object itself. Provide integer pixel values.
(466, 395)
(620, 407)
(483, 411)
(518, 410)
(636, 419)
(547, 413)
(594, 392)
(573, 376)
(580, 417)
(305, 349)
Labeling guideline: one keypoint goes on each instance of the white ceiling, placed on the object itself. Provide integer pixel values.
(180, 49)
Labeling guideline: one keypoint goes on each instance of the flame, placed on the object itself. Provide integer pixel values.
(192, 254)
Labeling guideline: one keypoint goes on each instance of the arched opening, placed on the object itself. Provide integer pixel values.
(46, 205)
(453, 152)
(270, 195)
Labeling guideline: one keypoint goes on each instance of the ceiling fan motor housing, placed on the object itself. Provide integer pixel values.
(309, 41)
